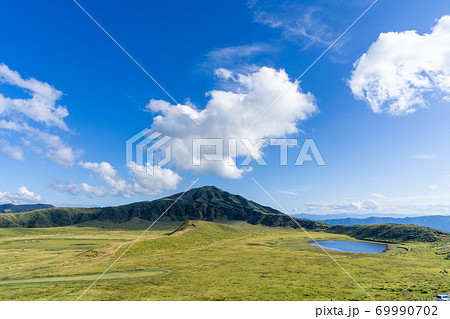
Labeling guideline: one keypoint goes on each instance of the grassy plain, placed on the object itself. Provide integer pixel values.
(209, 261)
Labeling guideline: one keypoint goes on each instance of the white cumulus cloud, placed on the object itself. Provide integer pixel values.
(162, 180)
(401, 68)
(230, 114)
(23, 196)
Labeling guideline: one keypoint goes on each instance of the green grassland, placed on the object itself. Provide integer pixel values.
(202, 260)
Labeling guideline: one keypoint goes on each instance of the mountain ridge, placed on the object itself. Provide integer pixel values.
(13, 208)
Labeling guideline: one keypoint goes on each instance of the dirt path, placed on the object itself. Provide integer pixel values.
(82, 278)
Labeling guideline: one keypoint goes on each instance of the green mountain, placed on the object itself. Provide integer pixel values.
(205, 203)
(210, 203)
(11, 208)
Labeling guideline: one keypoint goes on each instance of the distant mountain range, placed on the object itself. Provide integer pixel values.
(210, 203)
(11, 208)
(440, 222)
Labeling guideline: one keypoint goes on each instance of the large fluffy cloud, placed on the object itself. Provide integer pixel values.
(162, 180)
(229, 115)
(23, 196)
(400, 68)
(34, 117)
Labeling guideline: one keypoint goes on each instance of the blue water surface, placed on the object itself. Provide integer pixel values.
(351, 246)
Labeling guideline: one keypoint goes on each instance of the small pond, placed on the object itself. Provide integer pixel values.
(351, 246)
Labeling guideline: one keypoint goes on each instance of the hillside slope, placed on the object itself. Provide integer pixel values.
(391, 233)
(210, 229)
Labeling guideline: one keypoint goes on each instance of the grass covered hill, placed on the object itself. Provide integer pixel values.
(11, 208)
(391, 232)
(205, 203)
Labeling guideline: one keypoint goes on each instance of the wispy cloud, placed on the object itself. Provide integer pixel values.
(430, 204)
(241, 51)
(288, 192)
(241, 58)
(75, 189)
(38, 117)
(56, 149)
(297, 22)
(368, 205)
(14, 152)
(377, 196)
(423, 156)
(307, 23)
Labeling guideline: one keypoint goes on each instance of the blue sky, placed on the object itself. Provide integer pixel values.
(380, 122)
